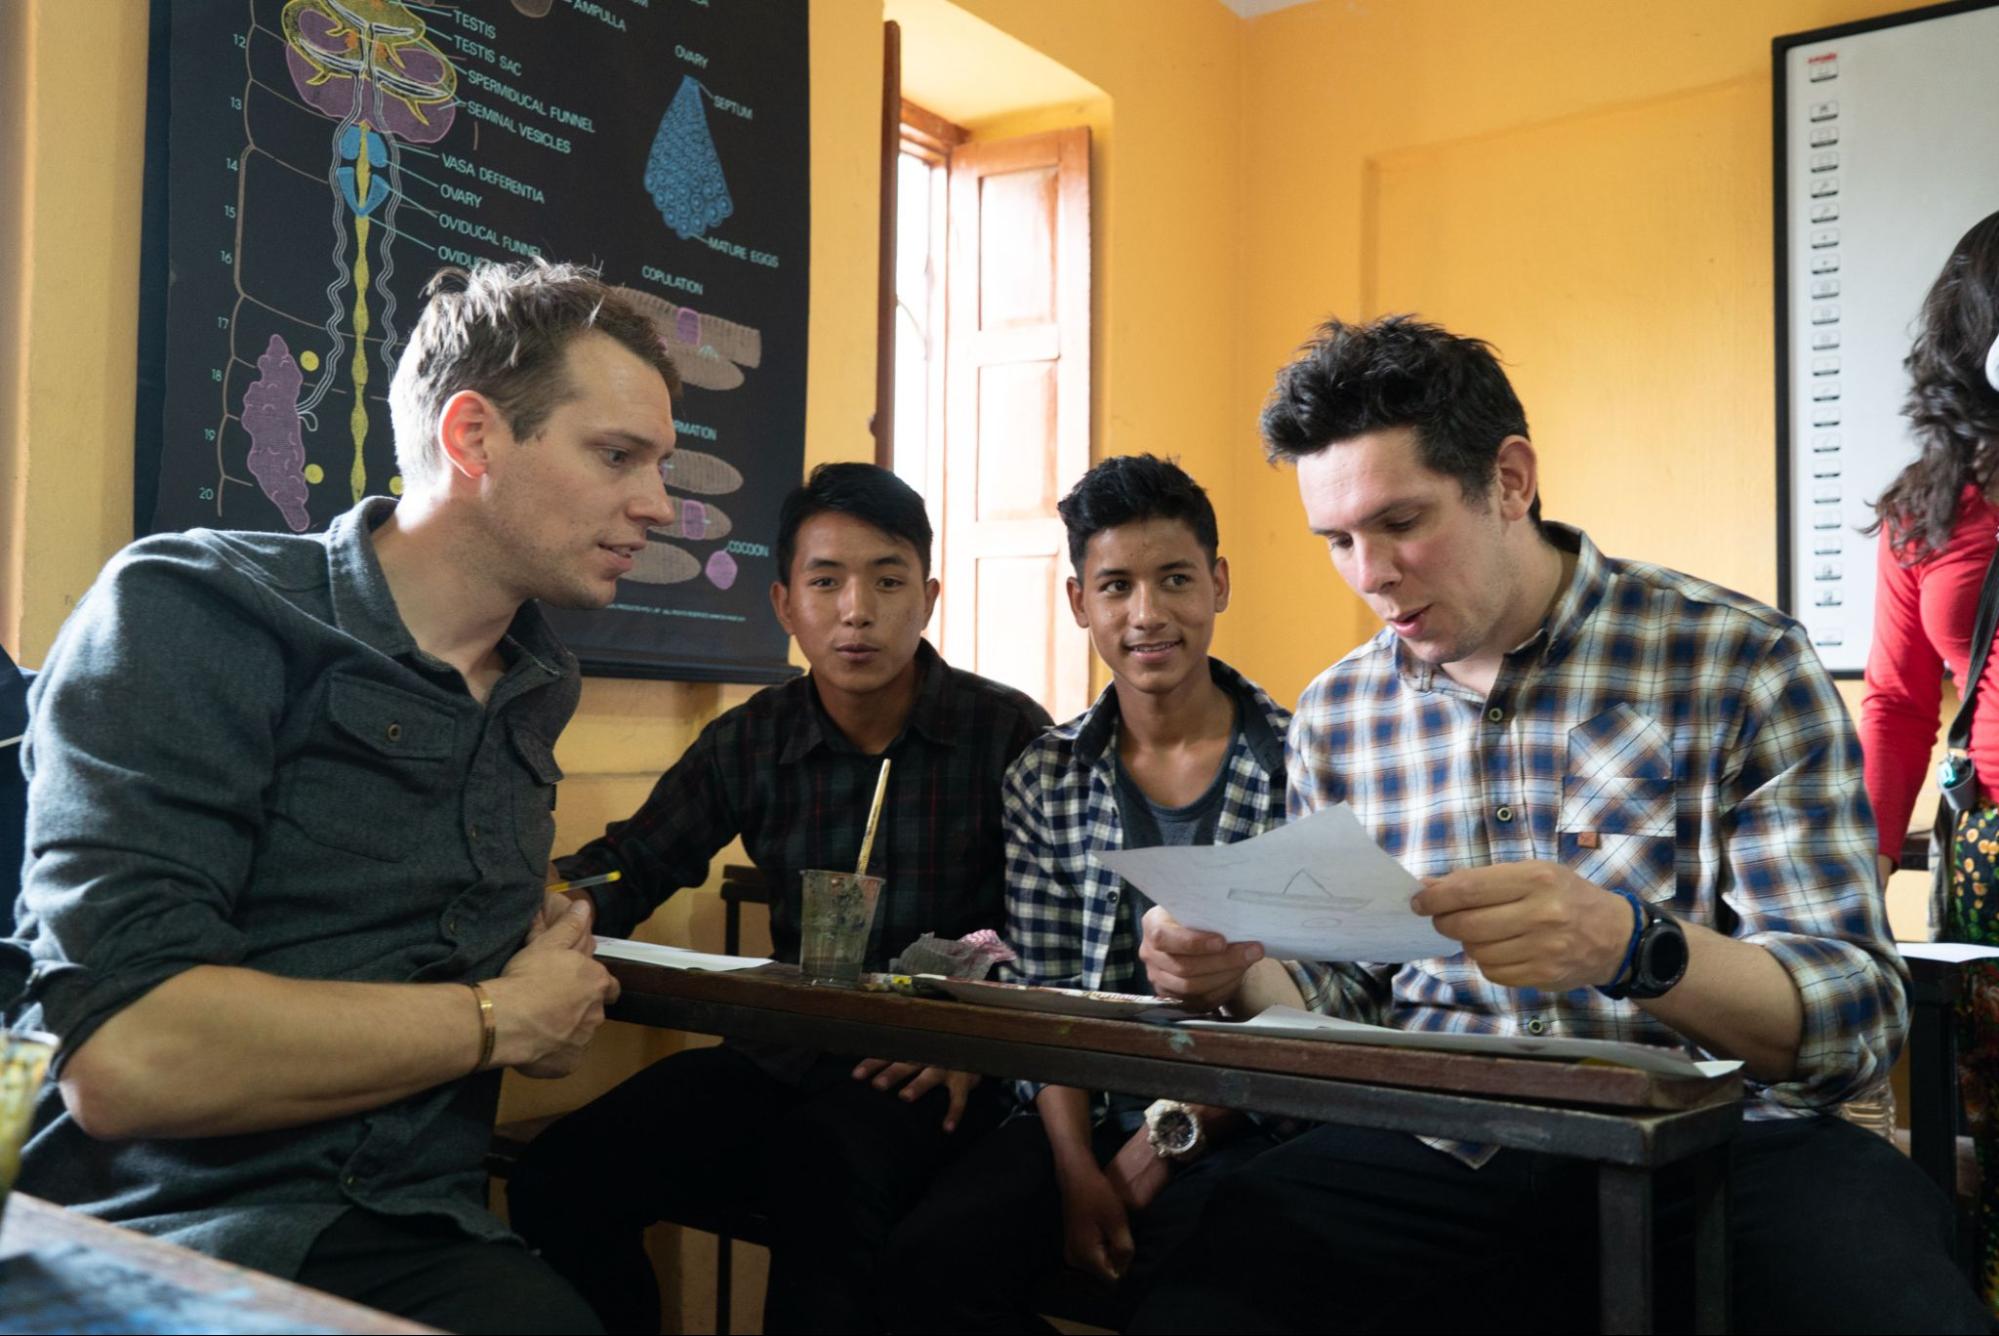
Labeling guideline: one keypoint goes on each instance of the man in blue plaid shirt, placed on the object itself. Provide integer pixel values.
(1180, 749)
(1635, 799)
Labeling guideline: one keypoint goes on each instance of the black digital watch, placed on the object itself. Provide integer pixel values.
(1658, 960)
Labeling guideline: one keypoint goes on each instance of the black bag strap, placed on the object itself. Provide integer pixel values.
(1982, 629)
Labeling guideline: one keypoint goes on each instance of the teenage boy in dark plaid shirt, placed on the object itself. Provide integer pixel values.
(834, 1152)
(1180, 749)
(1636, 801)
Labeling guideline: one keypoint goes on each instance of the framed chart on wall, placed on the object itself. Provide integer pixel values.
(1887, 150)
(310, 165)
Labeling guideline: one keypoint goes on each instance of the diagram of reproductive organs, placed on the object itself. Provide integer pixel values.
(366, 66)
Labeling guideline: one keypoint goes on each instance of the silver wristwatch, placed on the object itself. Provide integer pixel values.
(1175, 1131)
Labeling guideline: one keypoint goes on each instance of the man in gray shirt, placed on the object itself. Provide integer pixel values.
(290, 815)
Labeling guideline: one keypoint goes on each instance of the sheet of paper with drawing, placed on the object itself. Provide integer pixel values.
(1316, 889)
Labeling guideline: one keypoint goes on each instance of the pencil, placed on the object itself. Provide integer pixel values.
(555, 887)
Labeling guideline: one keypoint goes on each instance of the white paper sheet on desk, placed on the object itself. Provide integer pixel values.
(1956, 953)
(1316, 889)
(1291, 1023)
(673, 957)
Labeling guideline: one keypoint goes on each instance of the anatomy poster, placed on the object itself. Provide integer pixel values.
(321, 159)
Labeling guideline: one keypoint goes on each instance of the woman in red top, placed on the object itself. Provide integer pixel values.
(1939, 528)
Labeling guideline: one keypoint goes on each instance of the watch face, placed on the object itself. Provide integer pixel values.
(1662, 956)
(1174, 1131)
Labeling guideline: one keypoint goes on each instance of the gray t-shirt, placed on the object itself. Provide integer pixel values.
(239, 756)
(1148, 825)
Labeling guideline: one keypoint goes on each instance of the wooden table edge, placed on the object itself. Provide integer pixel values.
(46, 1225)
(1523, 1079)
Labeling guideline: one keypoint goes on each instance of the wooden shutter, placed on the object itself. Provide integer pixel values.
(1017, 410)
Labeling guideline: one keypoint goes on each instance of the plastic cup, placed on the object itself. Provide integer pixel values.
(24, 1060)
(839, 915)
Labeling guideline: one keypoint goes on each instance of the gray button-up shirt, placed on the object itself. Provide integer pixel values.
(239, 756)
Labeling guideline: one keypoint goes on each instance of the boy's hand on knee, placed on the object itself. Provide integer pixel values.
(918, 1080)
(1096, 1233)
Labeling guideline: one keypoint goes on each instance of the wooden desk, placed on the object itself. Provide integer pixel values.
(33, 1225)
(1630, 1123)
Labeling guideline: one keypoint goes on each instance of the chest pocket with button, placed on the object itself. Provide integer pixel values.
(1618, 818)
(534, 799)
(372, 769)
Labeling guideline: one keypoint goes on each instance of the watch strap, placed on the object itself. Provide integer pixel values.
(1619, 986)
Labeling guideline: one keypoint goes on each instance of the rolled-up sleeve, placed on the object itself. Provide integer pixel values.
(1798, 844)
(148, 757)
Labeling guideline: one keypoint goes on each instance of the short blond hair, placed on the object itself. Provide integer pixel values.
(503, 330)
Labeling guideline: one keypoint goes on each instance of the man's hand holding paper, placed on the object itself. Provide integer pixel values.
(1321, 889)
(1531, 925)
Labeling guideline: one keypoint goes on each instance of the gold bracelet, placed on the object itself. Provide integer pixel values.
(489, 1031)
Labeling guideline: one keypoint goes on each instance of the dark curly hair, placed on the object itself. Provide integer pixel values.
(1398, 371)
(1130, 489)
(1952, 407)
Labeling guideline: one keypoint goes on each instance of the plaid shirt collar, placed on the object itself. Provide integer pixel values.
(935, 713)
(1098, 727)
(1554, 638)
(365, 607)
(1066, 915)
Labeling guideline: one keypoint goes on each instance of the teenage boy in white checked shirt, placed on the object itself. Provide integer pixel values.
(1181, 749)
(1636, 800)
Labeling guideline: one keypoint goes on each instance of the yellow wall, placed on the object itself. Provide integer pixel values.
(71, 311)
(1587, 184)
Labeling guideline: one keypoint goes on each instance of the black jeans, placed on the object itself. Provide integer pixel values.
(1829, 1229)
(426, 1270)
(975, 1255)
(832, 1161)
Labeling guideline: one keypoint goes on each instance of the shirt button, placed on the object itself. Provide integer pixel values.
(1496, 715)
(1504, 813)
(351, 1180)
(473, 830)
(1536, 1026)
(395, 732)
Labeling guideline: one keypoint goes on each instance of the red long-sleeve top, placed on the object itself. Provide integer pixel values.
(1923, 615)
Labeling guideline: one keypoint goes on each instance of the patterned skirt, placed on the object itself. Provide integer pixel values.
(1974, 917)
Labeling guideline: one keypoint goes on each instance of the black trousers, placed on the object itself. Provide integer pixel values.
(832, 1161)
(429, 1272)
(1830, 1229)
(987, 1241)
